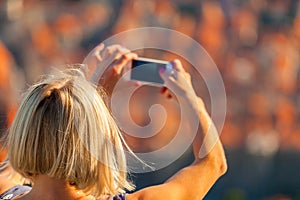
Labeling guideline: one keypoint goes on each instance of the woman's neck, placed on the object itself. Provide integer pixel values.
(48, 188)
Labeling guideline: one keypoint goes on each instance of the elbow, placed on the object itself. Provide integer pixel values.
(216, 160)
(220, 160)
(223, 166)
(221, 163)
(218, 163)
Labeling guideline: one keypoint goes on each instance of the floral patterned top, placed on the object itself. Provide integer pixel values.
(15, 191)
(19, 190)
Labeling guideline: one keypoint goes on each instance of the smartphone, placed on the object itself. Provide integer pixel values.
(146, 70)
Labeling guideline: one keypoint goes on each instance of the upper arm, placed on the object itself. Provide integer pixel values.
(192, 182)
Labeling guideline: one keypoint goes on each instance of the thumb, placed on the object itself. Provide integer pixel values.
(167, 78)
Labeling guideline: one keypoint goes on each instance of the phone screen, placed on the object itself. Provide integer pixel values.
(147, 70)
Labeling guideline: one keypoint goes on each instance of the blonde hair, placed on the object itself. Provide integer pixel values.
(63, 129)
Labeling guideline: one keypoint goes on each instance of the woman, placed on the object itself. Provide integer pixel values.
(65, 141)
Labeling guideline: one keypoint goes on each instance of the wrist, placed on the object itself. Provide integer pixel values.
(195, 102)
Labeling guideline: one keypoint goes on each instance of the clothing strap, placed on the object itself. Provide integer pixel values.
(22, 189)
(119, 197)
(14, 192)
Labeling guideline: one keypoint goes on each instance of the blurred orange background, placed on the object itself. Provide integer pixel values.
(254, 43)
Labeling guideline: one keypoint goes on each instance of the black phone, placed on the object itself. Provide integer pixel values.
(146, 70)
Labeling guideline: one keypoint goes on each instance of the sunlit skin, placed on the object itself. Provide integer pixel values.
(192, 182)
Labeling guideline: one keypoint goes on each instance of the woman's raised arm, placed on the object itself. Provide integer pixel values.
(194, 181)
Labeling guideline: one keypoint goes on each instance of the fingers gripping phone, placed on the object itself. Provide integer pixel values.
(146, 70)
